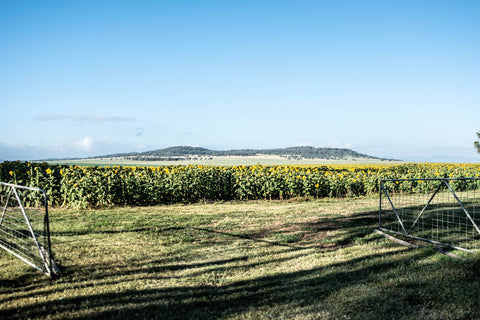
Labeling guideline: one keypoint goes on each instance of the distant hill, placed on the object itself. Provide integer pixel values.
(291, 153)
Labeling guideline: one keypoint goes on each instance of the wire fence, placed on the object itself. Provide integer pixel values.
(445, 212)
(24, 226)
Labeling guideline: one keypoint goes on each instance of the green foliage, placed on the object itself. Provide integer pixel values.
(477, 143)
(75, 186)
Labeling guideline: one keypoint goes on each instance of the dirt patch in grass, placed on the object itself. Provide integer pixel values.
(240, 260)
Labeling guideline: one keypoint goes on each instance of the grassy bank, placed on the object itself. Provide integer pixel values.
(237, 260)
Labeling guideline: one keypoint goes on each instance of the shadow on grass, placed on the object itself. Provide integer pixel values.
(341, 231)
(372, 286)
(312, 291)
(323, 232)
(111, 231)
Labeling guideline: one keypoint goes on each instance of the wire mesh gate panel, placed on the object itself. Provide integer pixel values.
(440, 211)
(24, 226)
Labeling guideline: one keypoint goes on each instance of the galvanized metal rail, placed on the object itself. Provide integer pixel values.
(25, 232)
(444, 215)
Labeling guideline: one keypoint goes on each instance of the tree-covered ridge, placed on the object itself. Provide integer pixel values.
(297, 153)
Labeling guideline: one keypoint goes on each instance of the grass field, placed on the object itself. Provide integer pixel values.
(237, 260)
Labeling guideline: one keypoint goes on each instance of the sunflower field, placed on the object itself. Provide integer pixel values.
(101, 186)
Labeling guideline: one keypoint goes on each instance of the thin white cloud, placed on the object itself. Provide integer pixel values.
(84, 147)
(85, 144)
(82, 118)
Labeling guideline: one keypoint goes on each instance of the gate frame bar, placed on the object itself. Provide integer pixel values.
(445, 181)
(45, 255)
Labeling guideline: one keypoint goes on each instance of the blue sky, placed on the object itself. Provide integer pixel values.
(395, 79)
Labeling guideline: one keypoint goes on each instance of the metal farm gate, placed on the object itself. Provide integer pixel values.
(24, 226)
(440, 211)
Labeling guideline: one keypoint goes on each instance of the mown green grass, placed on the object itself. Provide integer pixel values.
(237, 260)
